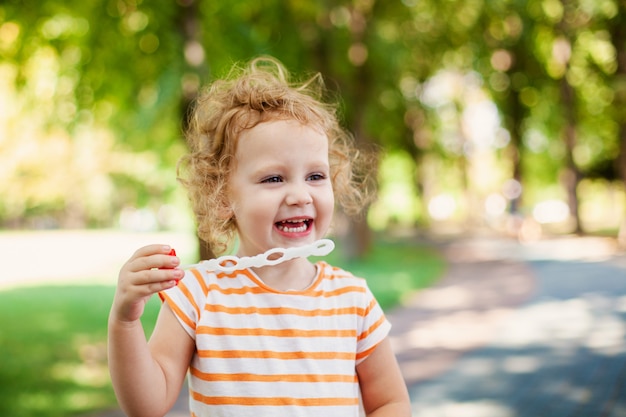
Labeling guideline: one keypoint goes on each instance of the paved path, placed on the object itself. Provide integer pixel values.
(559, 353)
(536, 330)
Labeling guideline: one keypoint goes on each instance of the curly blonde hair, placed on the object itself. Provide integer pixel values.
(260, 92)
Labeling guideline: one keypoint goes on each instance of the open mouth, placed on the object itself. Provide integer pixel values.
(294, 226)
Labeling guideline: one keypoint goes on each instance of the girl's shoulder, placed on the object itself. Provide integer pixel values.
(334, 270)
(338, 274)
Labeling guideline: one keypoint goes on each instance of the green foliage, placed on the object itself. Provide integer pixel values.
(397, 204)
(93, 94)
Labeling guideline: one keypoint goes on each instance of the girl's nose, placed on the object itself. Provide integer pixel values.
(298, 195)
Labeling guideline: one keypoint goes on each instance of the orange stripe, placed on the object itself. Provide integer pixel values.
(372, 328)
(180, 313)
(246, 377)
(272, 311)
(240, 291)
(269, 354)
(200, 279)
(371, 306)
(260, 290)
(233, 274)
(344, 275)
(228, 331)
(338, 273)
(274, 401)
(185, 290)
(365, 353)
(342, 291)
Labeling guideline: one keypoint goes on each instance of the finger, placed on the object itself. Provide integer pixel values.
(155, 261)
(149, 250)
(170, 261)
(159, 286)
(157, 276)
(137, 261)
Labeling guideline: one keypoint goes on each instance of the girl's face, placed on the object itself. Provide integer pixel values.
(280, 189)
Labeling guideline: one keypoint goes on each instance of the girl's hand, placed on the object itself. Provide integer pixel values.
(151, 269)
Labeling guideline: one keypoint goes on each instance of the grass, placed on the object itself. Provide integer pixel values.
(53, 339)
(394, 270)
(53, 348)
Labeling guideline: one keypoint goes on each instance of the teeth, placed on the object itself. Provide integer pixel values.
(296, 229)
(293, 229)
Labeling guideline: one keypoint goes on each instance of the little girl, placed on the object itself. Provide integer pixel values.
(267, 160)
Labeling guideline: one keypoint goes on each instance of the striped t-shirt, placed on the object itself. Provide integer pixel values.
(262, 352)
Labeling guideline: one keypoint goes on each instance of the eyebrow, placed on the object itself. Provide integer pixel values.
(317, 166)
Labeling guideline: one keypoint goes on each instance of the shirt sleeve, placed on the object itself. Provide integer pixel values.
(186, 300)
(373, 327)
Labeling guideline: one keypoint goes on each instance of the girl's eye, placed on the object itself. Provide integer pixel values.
(274, 178)
(317, 177)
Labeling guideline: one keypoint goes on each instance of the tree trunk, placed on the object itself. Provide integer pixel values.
(190, 27)
(572, 175)
(516, 119)
(618, 36)
(355, 235)
(358, 239)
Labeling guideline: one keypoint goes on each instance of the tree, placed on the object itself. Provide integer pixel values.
(110, 81)
(617, 27)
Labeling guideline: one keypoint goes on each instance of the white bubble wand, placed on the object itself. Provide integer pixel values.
(275, 256)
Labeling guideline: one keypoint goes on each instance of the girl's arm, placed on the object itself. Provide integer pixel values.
(382, 386)
(147, 377)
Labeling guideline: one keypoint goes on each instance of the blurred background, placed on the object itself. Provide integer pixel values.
(509, 115)
(501, 118)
